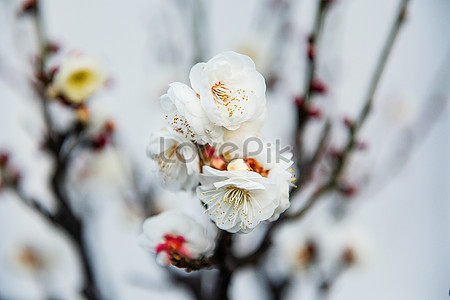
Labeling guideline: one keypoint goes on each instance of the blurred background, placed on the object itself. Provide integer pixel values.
(402, 205)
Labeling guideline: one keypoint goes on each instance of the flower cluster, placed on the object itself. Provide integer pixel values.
(212, 145)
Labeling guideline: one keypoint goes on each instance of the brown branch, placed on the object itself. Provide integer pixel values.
(55, 144)
(306, 168)
(355, 128)
(226, 267)
(255, 256)
(303, 107)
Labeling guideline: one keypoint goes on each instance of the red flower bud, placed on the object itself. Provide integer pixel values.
(318, 86)
(210, 151)
(335, 153)
(4, 159)
(53, 47)
(348, 190)
(350, 123)
(219, 163)
(28, 6)
(299, 101)
(100, 141)
(315, 112)
(311, 51)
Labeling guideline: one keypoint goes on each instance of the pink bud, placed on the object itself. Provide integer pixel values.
(210, 151)
(311, 51)
(28, 6)
(318, 86)
(315, 112)
(219, 163)
(299, 101)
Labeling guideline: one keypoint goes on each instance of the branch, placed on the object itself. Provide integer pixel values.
(64, 216)
(303, 107)
(255, 256)
(355, 128)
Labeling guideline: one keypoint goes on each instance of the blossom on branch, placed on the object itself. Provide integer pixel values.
(177, 159)
(174, 236)
(249, 191)
(186, 115)
(231, 91)
(78, 78)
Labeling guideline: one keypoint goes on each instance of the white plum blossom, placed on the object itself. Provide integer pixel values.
(265, 159)
(185, 114)
(177, 159)
(231, 91)
(173, 235)
(238, 200)
(78, 78)
(278, 166)
(226, 102)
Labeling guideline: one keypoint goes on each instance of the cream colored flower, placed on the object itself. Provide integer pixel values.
(78, 78)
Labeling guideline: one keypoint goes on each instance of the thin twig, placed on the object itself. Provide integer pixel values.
(255, 256)
(302, 109)
(354, 129)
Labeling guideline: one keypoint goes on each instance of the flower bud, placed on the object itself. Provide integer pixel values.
(4, 159)
(299, 101)
(349, 122)
(348, 256)
(335, 153)
(82, 114)
(53, 47)
(237, 164)
(219, 163)
(308, 253)
(347, 189)
(28, 6)
(210, 151)
(318, 86)
(100, 141)
(311, 51)
(315, 112)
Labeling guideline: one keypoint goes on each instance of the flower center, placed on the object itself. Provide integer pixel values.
(255, 166)
(80, 77)
(30, 258)
(221, 94)
(237, 196)
(169, 159)
(173, 246)
(231, 100)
